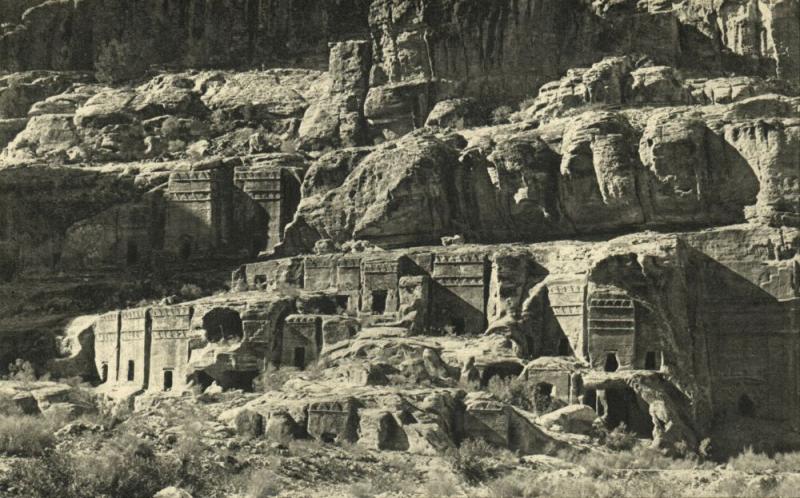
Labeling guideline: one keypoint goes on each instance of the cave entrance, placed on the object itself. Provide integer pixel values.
(167, 380)
(132, 253)
(746, 406)
(202, 379)
(543, 397)
(379, 301)
(236, 379)
(300, 358)
(611, 364)
(104, 372)
(342, 304)
(222, 324)
(131, 371)
(623, 405)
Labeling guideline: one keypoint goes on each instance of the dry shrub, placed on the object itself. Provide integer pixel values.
(520, 485)
(127, 467)
(477, 461)
(26, 435)
(619, 439)
(263, 483)
(272, 379)
(753, 462)
(502, 115)
(442, 483)
(512, 390)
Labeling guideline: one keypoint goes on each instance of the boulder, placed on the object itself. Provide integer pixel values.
(427, 439)
(9, 128)
(172, 492)
(656, 85)
(281, 427)
(26, 403)
(249, 423)
(333, 420)
(19, 91)
(693, 175)
(49, 136)
(454, 113)
(407, 202)
(379, 430)
(577, 419)
(599, 171)
(260, 96)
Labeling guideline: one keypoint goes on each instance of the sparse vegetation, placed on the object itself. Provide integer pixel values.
(502, 115)
(477, 461)
(522, 394)
(126, 467)
(26, 435)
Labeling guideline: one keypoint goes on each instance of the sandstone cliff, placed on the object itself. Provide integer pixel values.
(624, 237)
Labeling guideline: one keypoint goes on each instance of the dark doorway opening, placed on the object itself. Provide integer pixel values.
(652, 361)
(104, 372)
(590, 400)
(746, 406)
(379, 302)
(185, 251)
(611, 364)
(624, 406)
(564, 348)
(300, 358)
(132, 253)
(543, 397)
(167, 380)
(222, 324)
(342, 303)
(131, 371)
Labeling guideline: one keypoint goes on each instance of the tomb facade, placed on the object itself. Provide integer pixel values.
(301, 341)
(611, 327)
(169, 347)
(107, 347)
(460, 292)
(197, 213)
(333, 420)
(270, 196)
(134, 347)
(567, 297)
(380, 286)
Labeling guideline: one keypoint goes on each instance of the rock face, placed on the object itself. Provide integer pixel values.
(505, 49)
(596, 172)
(625, 244)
